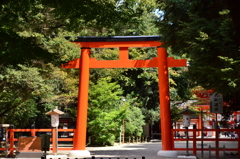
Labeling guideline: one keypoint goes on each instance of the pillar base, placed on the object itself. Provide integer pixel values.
(167, 154)
(79, 153)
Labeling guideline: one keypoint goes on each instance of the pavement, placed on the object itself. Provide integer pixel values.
(146, 150)
(149, 150)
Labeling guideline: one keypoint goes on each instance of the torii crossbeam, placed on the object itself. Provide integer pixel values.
(162, 62)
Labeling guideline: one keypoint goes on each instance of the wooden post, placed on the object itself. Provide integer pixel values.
(202, 134)
(194, 142)
(238, 132)
(54, 140)
(187, 138)
(33, 132)
(11, 141)
(217, 137)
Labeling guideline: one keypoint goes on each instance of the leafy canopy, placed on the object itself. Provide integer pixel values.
(207, 32)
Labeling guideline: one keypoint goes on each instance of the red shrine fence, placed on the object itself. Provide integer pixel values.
(194, 140)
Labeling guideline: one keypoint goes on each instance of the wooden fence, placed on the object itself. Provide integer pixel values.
(194, 138)
(12, 139)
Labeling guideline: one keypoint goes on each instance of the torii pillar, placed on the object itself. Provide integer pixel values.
(123, 43)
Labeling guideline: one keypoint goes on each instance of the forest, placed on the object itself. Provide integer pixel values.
(32, 82)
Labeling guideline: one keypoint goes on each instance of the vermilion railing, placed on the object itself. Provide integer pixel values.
(195, 137)
(33, 132)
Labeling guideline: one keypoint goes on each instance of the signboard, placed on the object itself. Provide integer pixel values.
(238, 117)
(216, 103)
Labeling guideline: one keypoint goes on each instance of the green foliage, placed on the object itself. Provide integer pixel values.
(207, 32)
(37, 89)
(25, 29)
(180, 85)
(134, 122)
(151, 116)
(104, 113)
(107, 112)
(105, 127)
(104, 93)
(33, 45)
(174, 112)
(27, 84)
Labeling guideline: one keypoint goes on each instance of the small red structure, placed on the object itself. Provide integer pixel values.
(162, 62)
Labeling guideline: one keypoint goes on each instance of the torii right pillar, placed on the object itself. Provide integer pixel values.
(165, 115)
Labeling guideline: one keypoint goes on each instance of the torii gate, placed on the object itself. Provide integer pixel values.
(123, 43)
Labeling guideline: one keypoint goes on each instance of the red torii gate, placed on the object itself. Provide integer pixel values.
(123, 43)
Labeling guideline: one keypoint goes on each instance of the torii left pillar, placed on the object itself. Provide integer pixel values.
(83, 97)
(82, 106)
(162, 62)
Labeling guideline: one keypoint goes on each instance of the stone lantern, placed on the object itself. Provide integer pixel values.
(186, 123)
(55, 116)
(55, 123)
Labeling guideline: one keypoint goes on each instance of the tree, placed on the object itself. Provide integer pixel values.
(26, 28)
(104, 113)
(33, 35)
(207, 32)
(37, 89)
(134, 122)
(28, 85)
